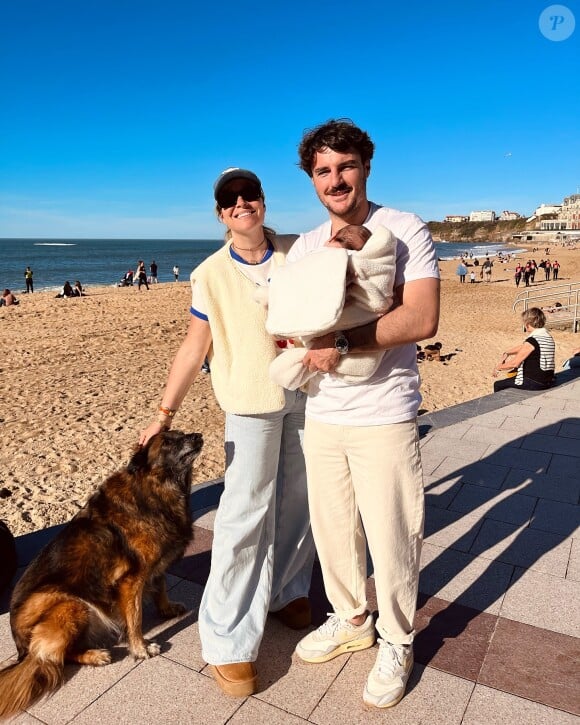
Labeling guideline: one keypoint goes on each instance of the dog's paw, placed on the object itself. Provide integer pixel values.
(172, 609)
(144, 650)
(101, 657)
(153, 649)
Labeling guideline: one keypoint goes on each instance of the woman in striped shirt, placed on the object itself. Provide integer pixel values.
(533, 358)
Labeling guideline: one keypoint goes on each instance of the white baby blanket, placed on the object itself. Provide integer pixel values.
(328, 290)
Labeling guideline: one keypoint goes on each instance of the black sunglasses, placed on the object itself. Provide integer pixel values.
(228, 198)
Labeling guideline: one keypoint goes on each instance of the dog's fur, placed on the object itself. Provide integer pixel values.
(87, 585)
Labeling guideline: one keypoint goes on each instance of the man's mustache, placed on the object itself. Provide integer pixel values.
(338, 189)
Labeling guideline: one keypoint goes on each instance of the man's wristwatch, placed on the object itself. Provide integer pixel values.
(341, 343)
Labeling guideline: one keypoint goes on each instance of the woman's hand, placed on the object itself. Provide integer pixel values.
(151, 430)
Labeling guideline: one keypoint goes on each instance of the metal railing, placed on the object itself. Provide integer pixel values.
(566, 294)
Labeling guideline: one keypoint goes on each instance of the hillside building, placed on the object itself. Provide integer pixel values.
(482, 216)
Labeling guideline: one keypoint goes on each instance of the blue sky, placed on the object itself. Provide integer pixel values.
(117, 115)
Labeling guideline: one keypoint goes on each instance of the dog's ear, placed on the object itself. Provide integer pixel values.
(139, 460)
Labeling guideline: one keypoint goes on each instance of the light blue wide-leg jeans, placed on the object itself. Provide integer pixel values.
(263, 550)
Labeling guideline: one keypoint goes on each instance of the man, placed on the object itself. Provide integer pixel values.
(28, 273)
(361, 441)
(153, 272)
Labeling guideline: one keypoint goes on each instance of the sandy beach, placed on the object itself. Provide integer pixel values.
(81, 377)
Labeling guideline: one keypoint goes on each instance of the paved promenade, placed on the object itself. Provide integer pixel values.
(499, 606)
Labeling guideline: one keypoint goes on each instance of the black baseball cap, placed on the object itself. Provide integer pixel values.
(234, 173)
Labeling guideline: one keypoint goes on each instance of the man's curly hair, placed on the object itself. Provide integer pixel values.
(338, 135)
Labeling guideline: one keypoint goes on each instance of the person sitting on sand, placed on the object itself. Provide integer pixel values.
(534, 357)
(67, 290)
(78, 289)
(8, 299)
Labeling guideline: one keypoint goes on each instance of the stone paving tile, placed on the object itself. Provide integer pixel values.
(440, 493)
(498, 436)
(463, 578)
(286, 681)
(524, 425)
(179, 638)
(544, 601)
(492, 419)
(523, 547)
(478, 473)
(7, 646)
(197, 557)
(255, 712)
(561, 518)
(488, 706)
(451, 637)
(506, 506)
(83, 685)
(444, 528)
(432, 697)
(455, 430)
(551, 444)
(543, 485)
(24, 719)
(517, 669)
(464, 453)
(430, 460)
(517, 458)
(570, 430)
(205, 518)
(165, 692)
(546, 403)
(574, 563)
(564, 466)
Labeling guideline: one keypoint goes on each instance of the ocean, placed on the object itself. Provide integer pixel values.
(103, 262)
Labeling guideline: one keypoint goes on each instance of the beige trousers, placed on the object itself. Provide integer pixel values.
(371, 473)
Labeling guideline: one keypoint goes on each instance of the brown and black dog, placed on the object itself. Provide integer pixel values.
(86, 587)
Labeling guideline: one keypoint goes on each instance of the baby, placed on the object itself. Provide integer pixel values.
(352, 237)
(333, 290)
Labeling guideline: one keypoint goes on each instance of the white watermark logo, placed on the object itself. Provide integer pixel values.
(557, 22)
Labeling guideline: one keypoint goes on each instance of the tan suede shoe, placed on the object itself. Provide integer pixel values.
(296, 614)
(239, 679)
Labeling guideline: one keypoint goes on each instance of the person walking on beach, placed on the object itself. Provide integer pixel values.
(153, 272)
(547, 269)
(28, 273)
(141, 275)
(533, 270)
(518, 274)
(361, 441)
(176, 273)
(486, 269)
(262, 552)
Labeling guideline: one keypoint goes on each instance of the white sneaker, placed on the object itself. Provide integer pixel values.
(388, 679)
(335, 637)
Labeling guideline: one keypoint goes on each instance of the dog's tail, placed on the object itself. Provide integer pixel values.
(25, 682)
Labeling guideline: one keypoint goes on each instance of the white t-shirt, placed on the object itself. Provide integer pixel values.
(391, 395)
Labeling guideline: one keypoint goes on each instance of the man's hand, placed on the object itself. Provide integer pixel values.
(323, 356)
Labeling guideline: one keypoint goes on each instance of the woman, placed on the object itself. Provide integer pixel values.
(534, 358)
(141, 275)
(262, 550)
